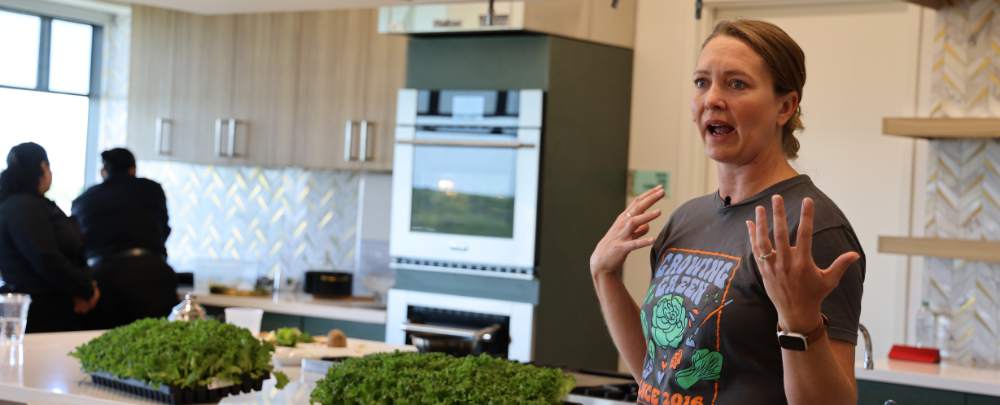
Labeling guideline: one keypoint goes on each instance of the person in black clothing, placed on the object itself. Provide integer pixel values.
(41, 250)
(125, 222)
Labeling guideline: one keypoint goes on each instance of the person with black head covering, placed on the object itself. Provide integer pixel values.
(125, 222)
(41, 249)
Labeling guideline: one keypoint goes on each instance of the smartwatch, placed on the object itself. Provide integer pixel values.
(800, 342)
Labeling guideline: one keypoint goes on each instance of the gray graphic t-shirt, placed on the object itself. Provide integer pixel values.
(708, 323)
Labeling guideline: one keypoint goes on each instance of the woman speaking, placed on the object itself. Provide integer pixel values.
(41, 250)
(749, 302)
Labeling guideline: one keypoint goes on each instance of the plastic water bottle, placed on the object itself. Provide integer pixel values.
(926, 327)
(944, 338)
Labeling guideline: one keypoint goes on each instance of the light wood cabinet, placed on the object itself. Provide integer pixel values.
(152, 82)
(203, 87)
(386, 75)
(264, 96)
(348, 80)
(331, 88)
(274, 89)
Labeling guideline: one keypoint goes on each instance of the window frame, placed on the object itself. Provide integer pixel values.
(94, 93)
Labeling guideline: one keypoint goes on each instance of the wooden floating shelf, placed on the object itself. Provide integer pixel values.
(942, 128)
(972, 250)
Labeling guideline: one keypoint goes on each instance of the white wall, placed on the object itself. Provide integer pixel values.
(664, 58)
(376, 204)
(869, 175)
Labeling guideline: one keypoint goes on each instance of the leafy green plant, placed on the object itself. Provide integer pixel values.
(705, 365)
(184, 354)
(437, 378)
(291, 336)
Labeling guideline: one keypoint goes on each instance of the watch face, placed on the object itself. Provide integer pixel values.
(792, 342)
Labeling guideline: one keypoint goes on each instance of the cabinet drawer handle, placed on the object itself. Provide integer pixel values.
(218, 137)
(348, 134)
(232, 135)
(473, 144)
(159, 136)
(364, 153)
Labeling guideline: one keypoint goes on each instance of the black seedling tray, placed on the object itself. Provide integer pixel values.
(174, 395)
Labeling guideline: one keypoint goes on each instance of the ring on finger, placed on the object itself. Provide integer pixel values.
(628, 214)
(766, 257)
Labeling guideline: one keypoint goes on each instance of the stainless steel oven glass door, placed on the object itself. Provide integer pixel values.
(520, 317)
(466, 192)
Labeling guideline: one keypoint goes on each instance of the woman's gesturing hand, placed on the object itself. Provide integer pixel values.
(792, 280)
(626, 234)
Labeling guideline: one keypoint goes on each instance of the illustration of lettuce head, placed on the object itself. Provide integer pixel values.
(669, 321)
(705, 365)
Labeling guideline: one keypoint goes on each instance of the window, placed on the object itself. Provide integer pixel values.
(48, 95)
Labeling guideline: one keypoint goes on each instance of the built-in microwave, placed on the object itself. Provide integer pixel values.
(465, 181)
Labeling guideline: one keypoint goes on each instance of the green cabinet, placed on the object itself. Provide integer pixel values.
(973, 399)
(358, 330)
(877, 393)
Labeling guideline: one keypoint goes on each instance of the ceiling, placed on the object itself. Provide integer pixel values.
(262, 6)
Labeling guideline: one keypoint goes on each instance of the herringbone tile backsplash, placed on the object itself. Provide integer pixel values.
(966, 60)
(963, 184)
(289, 219)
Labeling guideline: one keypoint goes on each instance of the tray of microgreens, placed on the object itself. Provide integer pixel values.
(438, 378)
(179, 362)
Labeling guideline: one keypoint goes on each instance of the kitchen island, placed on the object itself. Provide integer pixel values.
(921, 383)
(40, 369)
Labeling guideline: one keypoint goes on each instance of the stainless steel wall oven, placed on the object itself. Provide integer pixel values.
(465, 187)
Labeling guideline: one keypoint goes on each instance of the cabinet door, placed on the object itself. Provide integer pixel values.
(877, 393)
(150, 82)
(203, 87)
(331, 87)
(267, 51)
(386, 72)
(973, 399)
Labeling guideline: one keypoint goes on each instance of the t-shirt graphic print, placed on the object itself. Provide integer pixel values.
(708, 323)
(685, 300)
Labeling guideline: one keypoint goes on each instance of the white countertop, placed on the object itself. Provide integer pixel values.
(40, 369)
(299, 304)
(937, 376)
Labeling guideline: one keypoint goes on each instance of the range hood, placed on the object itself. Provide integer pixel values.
(588, 20)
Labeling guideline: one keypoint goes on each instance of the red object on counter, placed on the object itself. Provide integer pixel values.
(910, 353)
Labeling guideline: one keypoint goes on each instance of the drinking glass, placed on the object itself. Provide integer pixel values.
(13, 316)
(248, 318)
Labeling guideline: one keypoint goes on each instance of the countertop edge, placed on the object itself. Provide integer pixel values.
(882, 373)
(333, 312)
(21, 394)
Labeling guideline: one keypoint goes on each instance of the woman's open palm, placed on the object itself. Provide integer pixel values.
(794, 283)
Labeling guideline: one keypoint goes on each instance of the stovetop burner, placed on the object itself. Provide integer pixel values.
(598, 387)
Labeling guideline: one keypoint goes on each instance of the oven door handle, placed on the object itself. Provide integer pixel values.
(476, 144)
(485, 334)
